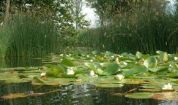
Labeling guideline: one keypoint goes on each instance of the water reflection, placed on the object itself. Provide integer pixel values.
(73, 95)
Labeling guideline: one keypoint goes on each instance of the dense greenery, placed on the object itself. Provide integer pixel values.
(130, 27)
(35, 28)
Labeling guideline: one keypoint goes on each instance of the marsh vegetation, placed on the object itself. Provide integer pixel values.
(49, 54)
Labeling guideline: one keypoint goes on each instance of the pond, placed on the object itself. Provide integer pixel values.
(24, 85)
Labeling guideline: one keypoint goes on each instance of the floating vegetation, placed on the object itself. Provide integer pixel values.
(153, 74)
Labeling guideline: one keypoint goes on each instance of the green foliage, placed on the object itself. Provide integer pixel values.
(140, 30)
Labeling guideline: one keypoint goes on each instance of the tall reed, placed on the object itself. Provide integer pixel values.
(145, 31)
(30, 37)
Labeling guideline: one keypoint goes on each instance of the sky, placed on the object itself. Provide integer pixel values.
(91, 16)
(171, 6)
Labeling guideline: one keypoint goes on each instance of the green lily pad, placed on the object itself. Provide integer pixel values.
(111, 69)
(140, 95)
(55, 71)
(135, 70)
(150, 62)
(67, 62)
(109, 85)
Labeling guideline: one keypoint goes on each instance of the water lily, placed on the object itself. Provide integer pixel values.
(119, 77)
(43, 74)
(70, 71)
(167, 87)
(92, 74)
(176, 58)
(112, 57)
(91, 60)
(102, 64)
(88, 56)
(86, 64)
(117, 60)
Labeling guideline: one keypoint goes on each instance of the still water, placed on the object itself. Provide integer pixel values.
(85, 94)
(71, 95)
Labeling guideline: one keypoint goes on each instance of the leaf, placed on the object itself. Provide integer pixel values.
(140, 95)
(109, 85)
(167, 96)
(55, 71)
(14, 96)
(67, 62)
(135, 70)
(111, 69)
(139, 55)
(158, 69)
(150, 62)
(163, 56)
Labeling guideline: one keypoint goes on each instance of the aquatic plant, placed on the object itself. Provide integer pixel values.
(30, 37)
(105, 70)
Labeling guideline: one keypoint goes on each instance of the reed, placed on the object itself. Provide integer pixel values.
(147, 31)
(30, 37)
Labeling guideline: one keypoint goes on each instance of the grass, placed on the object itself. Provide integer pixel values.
(28, 37)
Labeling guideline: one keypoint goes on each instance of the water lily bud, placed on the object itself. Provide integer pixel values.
(167, 87)
(119, 76)
(117, 60)
(70, 71)
(92, 73)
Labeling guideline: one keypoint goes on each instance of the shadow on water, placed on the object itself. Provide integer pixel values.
(71, 95)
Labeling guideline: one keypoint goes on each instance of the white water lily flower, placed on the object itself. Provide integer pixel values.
(167, 87)
(102, 64)
(88, 56)
(112, 56)
(86, 64)
(175, 58)
(70, 71)
(91, 60)
(92, 74)
(125, 63)
(61, 55)
(119, 76)
(117, 60)
(43, 74)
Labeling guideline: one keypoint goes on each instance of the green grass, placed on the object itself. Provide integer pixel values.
(28, 37)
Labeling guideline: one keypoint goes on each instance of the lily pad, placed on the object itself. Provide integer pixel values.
(140, 95)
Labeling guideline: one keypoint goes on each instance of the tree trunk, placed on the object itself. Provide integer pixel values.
(7, 11)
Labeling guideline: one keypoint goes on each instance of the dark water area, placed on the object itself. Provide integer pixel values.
(71, 95)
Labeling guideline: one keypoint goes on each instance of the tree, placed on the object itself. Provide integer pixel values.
(7, 11)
